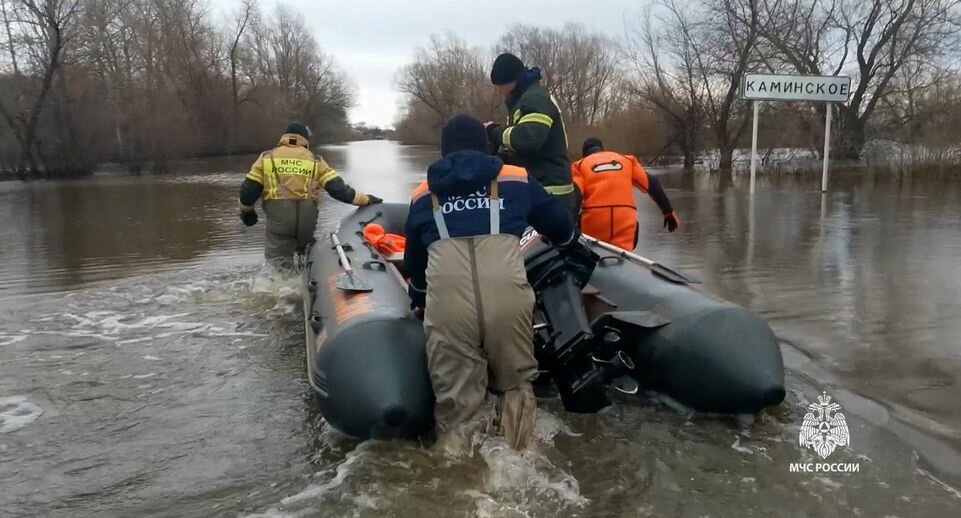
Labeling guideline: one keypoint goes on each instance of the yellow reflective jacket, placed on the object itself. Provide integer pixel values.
(291, 171)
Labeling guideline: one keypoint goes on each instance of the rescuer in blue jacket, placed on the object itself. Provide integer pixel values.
(466, 269)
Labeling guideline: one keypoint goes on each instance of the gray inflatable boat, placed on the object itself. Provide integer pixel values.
(602, 322)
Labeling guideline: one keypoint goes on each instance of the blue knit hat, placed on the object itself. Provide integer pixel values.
(298, 129)
(463, 132)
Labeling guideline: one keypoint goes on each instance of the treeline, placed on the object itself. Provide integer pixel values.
(142, 82)
(668, 85)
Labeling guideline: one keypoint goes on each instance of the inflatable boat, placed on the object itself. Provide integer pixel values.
(602, 322)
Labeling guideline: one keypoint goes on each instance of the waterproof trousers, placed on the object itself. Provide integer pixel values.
(479, 334)
(614, 224)
(290, 228)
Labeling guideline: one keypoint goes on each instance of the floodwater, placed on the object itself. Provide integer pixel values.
(150, 366)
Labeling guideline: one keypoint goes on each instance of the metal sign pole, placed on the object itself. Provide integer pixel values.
(754, 146)
(827, 148)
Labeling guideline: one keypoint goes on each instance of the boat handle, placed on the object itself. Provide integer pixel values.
(603, 261)
(376, 266)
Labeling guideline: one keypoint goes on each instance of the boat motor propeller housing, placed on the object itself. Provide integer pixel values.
(564, 342)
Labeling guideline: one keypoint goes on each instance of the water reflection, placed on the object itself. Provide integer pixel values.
(62, 235)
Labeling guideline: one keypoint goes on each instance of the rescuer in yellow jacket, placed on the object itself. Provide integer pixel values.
(608, 211)
(289, 179)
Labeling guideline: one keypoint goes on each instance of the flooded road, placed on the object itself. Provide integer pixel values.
(150, 366)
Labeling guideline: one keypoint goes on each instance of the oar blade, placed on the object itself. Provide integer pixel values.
(352, 282)
(670, 275)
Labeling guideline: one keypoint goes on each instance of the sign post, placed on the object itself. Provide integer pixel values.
(754, 145)
(779, 87)
(827, 147)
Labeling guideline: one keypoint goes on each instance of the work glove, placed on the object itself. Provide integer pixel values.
(373, 200)
(671, 222)
(418, 298)
(491, 135)
(249, 217)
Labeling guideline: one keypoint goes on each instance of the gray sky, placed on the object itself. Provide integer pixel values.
(371, 39)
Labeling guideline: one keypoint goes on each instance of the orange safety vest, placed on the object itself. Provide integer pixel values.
(608, 210)
(387, 244)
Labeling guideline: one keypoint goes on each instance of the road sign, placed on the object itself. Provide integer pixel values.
(778, 87)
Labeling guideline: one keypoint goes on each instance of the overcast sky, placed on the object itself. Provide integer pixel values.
(371, 39)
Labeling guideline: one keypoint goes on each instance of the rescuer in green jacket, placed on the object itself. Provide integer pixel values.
(535, 137)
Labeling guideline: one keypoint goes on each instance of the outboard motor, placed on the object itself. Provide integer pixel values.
(563, 340)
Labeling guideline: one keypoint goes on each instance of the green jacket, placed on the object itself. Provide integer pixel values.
(535, 138)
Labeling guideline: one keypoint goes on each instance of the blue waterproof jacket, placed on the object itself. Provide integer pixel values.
(461, 182)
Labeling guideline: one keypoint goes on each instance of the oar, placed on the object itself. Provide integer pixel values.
(656, 268)
(347, 281)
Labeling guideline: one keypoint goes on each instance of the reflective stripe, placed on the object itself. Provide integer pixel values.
(513, 118)
(495, 210)
(419, 192)
(439, 217)
(558, 190)
(328, 176)
(292, 166)
(300, 174)
(561, 116)
(507, 138)
(538, 118)
(257, 176)
(310, 180)
(270, 181)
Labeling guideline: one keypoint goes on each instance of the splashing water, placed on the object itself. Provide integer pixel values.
(17, 412)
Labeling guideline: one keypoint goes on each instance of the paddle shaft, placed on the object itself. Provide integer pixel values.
(618, 251)
(656, 268)
(343, 257)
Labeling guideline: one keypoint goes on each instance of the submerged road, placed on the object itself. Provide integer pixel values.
(149, 366)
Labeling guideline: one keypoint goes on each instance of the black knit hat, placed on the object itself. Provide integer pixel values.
(463, 132)
(591, 145)
(507, 68)
(298, 129)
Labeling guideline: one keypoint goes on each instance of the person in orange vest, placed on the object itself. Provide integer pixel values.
(608, 211)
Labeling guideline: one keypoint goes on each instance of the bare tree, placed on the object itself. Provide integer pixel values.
(579, 67)
(155, 79)
(11, 41)
(243, 19)
(874, 39)
(731, 38)
(445, 76)
(691, 69)
(667, 75)
(46, 28)
(290, 77)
